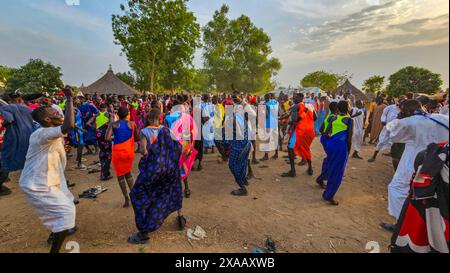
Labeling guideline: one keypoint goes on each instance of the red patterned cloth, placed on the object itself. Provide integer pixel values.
(423, 225)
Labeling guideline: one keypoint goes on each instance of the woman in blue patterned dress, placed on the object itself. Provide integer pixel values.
(157, 192)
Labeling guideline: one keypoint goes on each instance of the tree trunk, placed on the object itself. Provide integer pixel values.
(152, 72)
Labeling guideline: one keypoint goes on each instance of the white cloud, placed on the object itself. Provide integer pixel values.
(393, 24)
(319, 9)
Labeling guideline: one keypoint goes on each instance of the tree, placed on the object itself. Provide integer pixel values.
(5, 75)
(342, 78)
(237, 52)
(413, 79)
(201, 81)
(159, 38)
(373, 84)
(127, 78)
(35, 77)
(324, 80)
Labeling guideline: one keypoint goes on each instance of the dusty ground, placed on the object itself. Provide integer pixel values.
(290, 211)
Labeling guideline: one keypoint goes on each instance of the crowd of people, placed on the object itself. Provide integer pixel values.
(39, 132)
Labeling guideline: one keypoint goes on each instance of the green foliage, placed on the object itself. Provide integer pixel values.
(127, 78)
(35, 77)
(373, 84)
(414, 79)
(324, 80)
(159, 39)
(201, 81)
(5, 74)
(237, 52)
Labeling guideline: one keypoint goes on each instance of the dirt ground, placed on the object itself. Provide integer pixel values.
(289, 211)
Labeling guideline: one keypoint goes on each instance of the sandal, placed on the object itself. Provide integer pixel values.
(239, 192)
(136, 239)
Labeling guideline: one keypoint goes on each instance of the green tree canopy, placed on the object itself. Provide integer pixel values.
(127, 77)
(413, 79)
(201, 81)
(373, 84)
(159, 38)
(35, 77)
(324, 80)
(237, 52)
(5, 74)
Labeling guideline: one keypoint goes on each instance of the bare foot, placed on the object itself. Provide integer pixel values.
(126, 204)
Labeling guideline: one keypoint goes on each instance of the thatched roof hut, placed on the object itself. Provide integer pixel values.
(347, 87)
(109, 84)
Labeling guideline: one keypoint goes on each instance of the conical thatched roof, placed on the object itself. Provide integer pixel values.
(347, 87)
(109, 84)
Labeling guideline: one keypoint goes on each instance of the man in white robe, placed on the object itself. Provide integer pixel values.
(390, 113)
(42, 178)
(358, 128)
(417, 130)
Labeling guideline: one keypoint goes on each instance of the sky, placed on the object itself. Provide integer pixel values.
(359, 37)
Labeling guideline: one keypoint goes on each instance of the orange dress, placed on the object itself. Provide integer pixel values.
(123, 149)
(304, 133)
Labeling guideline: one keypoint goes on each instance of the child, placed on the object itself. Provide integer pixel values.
(43, 179)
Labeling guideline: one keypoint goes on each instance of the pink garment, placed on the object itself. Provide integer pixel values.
(186, 132)
(133, 114)
(34, 106)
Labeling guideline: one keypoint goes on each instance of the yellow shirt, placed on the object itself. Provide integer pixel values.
(218, 116)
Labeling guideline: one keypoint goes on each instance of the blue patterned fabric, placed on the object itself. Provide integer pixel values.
(17, 136)
(105, 153)
(239, 153)
(88, 110)
(157, 192)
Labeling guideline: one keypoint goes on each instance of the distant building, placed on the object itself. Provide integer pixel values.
(348, 88)
(109, 84)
